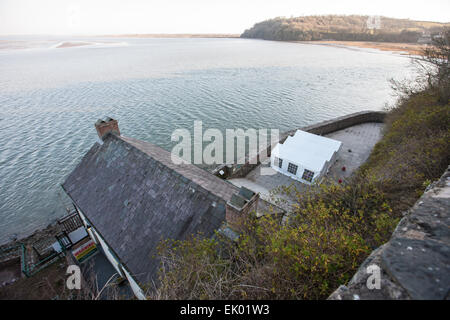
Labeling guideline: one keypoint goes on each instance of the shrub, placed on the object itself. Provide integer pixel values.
(330, 231)
(414, 149)
(192, 269)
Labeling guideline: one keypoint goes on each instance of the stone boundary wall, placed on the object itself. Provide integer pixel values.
(415, 262)
(321, 128)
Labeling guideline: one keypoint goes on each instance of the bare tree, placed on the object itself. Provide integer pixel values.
(433, 71)
(434, 64)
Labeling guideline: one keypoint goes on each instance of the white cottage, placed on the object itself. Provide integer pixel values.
(305, 157)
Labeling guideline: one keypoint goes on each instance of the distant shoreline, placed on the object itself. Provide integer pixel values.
(171, 35)
(406, 48)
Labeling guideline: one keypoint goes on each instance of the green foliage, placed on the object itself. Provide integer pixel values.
(358, 206)
(339, 27)
(414, 149)
(329, 233)
(188, 268)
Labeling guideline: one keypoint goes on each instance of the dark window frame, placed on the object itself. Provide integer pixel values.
(292, 168)
(278, 162)
(308, 175)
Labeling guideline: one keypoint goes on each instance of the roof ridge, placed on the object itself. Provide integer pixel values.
(178, 168)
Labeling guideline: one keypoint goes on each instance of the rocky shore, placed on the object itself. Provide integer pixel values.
(39, 235)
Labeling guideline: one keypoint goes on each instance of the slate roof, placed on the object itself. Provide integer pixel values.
(134, 196)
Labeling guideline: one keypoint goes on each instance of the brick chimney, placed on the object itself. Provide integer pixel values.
(109, 125)
(240, 204)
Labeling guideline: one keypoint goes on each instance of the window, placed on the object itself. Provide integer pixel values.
(308, 175)
(292, 168)
(278, 162)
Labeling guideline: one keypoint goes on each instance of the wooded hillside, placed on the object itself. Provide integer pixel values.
(343, 28)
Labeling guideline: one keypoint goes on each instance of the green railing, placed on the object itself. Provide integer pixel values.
(16, 251)
(19, 251)
(68, 223)
(6, 253)
(44, 263)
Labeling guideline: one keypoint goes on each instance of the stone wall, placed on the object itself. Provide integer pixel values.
(339, 123)
(415, 262)
(321, 128)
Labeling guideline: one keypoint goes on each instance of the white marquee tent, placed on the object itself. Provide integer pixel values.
(304, 156)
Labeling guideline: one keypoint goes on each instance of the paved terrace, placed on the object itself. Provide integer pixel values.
(358, 142)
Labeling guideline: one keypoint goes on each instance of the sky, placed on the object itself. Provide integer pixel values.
(85, 17)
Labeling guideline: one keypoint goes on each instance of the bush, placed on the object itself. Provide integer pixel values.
(413, 150)
(331, 230)
(193, 269)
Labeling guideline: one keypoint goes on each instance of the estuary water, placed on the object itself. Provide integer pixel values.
(52, 90)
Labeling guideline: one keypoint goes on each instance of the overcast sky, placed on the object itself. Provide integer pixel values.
(189, 16)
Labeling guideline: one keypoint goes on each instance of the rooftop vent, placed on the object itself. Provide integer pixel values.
(240, 204)
(107, 126)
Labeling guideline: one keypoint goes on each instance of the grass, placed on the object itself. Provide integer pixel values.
(414, 150)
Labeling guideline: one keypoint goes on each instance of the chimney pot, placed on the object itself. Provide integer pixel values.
(240, 205)
(107, 126)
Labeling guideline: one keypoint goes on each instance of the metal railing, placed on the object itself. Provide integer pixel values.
(70, 222)
(28, 269)
(11, 252)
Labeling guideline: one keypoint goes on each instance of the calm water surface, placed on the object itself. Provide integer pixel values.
(50, 98)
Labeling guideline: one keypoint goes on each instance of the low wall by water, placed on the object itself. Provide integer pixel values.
(415, 262)
(321, 128)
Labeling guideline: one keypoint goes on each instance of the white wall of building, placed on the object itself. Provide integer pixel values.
(284, 169)
(134, 286)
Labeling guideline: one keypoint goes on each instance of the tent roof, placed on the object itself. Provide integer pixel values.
(306, 149)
